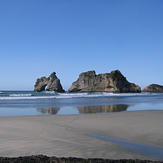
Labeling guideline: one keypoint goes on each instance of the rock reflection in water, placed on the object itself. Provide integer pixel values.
(48, 111)
(102, 108)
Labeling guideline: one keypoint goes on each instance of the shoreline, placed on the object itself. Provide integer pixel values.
(65, 135)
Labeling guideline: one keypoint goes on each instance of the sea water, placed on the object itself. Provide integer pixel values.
(22, 103)
(152, 151)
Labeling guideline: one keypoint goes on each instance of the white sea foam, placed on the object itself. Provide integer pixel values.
(27, 97)
(52, 94)
(20, 95)
(49, 92)
(96, 94)
(72, 95)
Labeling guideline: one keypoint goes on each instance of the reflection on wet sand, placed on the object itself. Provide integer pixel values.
(49, 110)
(85, 109)
(102, 108)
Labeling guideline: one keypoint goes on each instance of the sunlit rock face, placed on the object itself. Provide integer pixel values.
(153, 88)
(52, 83)
(108, 82)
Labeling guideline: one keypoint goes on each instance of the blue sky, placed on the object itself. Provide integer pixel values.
(69, 37)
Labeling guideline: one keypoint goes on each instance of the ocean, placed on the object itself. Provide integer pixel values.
(27, 103)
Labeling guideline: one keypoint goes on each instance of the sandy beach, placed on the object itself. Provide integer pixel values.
(66, 135)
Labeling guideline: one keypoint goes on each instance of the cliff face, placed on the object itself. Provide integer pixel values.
(153, 88)
(109, 82)
(52, 83)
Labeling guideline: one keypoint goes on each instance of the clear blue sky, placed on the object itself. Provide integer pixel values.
(69, 37)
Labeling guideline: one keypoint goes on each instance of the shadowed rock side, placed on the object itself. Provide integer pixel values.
(108, 82)
(52, 83)
(153, 88)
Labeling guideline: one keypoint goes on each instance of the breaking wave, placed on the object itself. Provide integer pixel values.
(17, 95)
(20, 95)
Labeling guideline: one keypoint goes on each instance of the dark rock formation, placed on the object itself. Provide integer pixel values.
(153, 88)
(52, 83)
(109, 82)
(45, 159)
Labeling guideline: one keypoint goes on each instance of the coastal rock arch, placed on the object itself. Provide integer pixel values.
(52, 83)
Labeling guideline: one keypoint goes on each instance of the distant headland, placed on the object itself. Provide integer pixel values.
(91, 82)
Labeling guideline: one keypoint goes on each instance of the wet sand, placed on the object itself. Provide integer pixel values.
(66, 135)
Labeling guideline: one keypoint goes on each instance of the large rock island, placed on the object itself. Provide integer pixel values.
(52, 83)
(153, 88)
(108, 82)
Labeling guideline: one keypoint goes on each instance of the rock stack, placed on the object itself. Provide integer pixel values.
(52, 83)
(108, 82)
(153, 88)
